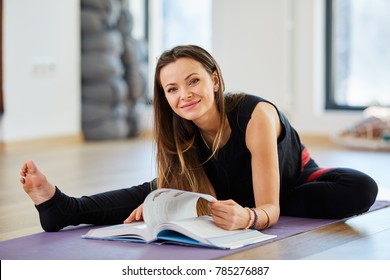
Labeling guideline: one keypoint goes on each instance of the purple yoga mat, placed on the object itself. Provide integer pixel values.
(68, 244)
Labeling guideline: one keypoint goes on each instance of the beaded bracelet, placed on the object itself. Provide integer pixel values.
(254, 225)
(250, 222)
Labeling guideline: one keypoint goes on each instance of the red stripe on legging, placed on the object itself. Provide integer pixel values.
(316, 174)
(305, 157)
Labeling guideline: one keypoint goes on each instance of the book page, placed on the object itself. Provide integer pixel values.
(203, 230)
(164, 205)
(199, 228)
(137, 230)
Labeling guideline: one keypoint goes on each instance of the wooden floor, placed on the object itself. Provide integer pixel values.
(85, 168)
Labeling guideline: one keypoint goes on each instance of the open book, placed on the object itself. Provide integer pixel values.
(170, 217)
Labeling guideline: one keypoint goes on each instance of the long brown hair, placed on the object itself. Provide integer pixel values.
(178, 162)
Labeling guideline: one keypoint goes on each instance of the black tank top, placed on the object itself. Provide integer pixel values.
(230, 171)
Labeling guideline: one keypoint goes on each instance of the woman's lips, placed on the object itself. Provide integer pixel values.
(190, 105)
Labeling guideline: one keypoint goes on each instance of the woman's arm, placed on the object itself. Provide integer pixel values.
(261, 139)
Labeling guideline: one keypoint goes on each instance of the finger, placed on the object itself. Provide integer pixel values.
(219, 207)
(220, 222)
(140, 212)
(217, 215)
(138, 215)
(130, 218)
(223, 203)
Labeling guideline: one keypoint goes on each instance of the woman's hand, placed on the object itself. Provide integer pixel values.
(136, 215)
(228, 214)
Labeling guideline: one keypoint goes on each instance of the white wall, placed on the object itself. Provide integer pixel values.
(41, 55)
(270, 48)
(274, 49)
(309, 114)
(249, 44)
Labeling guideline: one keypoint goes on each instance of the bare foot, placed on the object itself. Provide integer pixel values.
(35, 183)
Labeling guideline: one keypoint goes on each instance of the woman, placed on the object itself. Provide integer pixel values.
(237, 147)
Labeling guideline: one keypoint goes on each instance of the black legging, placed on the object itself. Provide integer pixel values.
(111, 207)
(336, 193)
(329, 193)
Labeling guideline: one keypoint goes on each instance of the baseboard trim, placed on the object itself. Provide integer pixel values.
(317, 140)
(52, 142)
(48, 142)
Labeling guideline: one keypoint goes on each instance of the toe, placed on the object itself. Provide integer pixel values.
(31, 167)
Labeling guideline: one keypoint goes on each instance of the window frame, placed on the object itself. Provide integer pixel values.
(330, 103)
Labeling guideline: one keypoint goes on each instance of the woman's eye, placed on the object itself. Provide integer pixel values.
(194, 81)
(171, 90)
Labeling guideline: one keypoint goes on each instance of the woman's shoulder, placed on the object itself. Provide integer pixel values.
(242, 103)
(239, 108)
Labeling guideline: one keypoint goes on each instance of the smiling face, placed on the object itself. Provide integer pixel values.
(189, 89)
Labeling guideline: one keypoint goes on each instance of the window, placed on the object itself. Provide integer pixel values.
(177, 22)
(358, 53)
(186, 22)
(1, 59)
(139, 11)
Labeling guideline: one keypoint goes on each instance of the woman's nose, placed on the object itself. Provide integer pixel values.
(186, 94)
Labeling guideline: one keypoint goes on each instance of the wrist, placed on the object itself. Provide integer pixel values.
(250, 219)
(255, 220)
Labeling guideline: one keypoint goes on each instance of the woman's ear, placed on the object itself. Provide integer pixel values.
(216, 80)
